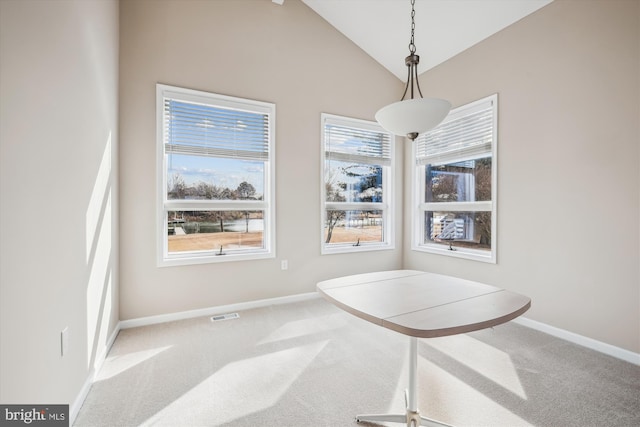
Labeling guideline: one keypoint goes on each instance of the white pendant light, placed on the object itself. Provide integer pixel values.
(416, 115)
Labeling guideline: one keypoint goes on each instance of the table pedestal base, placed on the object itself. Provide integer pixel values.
(412, 417)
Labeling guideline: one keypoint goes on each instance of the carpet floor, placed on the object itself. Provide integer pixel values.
(311, 364)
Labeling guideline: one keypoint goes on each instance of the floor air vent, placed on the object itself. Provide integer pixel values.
(227, 316)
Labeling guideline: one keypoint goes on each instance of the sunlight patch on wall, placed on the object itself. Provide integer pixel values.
(99, 247)
(100, 188)
(240, 388)
(98, 299)
(101, 329)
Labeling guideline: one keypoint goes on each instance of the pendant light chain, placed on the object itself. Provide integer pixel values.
(412, 45)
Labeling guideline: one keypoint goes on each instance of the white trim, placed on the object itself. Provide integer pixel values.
(210, 311)
(590, 343)
(353, 122)
(356, 206)
(340, 248)
(458, 252)
(208, 257)
(74, 408)
(221, 205)
(484, 206)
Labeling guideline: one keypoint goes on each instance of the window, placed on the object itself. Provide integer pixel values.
(215, 177)
(455, 184)
(357, 190)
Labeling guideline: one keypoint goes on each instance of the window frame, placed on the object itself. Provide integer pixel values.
(387, 205)
(420, 207)
(165, 205)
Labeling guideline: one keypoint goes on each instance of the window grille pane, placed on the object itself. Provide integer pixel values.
(355, 227)
(353, 182)
(458, 229)
(211, 178)
(467, 181)
(206, 231)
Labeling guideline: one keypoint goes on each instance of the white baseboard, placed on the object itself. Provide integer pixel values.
(210, 311)
(617, 352)
(74, 408)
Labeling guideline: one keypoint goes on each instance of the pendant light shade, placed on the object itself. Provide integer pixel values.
(415, 115)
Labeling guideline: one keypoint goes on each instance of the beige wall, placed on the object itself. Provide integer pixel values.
(253, 49)
(58, 182)
(567, 78)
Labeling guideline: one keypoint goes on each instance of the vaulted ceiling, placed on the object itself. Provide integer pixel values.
(443, 28)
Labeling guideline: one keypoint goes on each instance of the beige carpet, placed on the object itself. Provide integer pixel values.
(310, 364)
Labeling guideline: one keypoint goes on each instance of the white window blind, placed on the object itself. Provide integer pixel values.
(203, 130)
(361, 145)
(467, 132)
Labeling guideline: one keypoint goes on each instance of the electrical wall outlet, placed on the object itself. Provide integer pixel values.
(64, 341)
(284, 264)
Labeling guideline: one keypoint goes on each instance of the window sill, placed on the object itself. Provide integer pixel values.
(350, 248)
(465, 253)
(212, 259)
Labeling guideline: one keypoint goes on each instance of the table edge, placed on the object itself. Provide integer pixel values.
(455, 330)
(405, 330)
